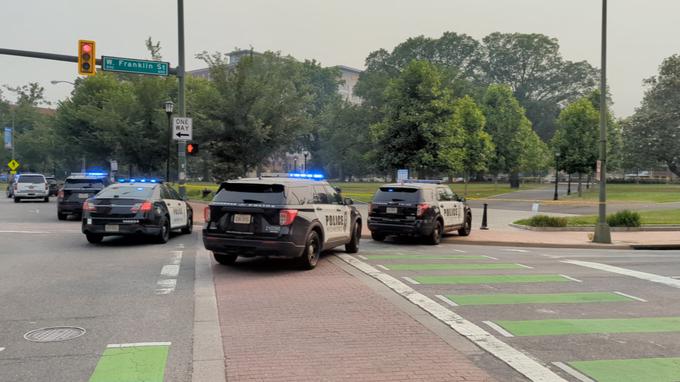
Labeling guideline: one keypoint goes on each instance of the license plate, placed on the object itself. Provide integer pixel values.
(111, 228)
(391, 210)
(241, 219)
(83, 196)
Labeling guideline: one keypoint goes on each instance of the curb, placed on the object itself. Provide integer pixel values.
(661, 247)
(650, 228)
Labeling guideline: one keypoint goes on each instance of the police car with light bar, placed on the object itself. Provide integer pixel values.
(136, 207)
(78, 187)
(418, 208)
(293, 216)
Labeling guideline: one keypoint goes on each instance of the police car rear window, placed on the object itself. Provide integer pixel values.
(84, 183)
(33, 179)
(126, 192)
(251, 193)
(397, 194)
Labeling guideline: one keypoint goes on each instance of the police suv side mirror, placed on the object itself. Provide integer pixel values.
(349, 201)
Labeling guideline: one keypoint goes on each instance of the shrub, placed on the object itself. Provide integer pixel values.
(545, 221)
(624, 218)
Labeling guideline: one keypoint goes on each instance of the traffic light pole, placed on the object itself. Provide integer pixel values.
(181, 146)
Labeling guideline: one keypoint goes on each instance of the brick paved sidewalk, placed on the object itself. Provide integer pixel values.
(282, 324)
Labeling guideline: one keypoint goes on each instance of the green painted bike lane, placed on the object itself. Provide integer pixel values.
(452, 267)
(129, 363)
(537, 298)
(532, 328)
(631, 370)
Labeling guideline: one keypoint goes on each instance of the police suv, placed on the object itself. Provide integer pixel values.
(136, 207)
(297, 216)
(76, 189)
(418, 208)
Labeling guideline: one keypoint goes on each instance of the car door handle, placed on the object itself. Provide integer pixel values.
(441, 205)
(339, 210)
(318, 208)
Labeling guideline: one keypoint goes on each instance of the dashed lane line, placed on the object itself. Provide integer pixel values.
(459, 250)
(384, 268)
(1, 349)
(445, 300)
(627, 272)
(511, 356)
(167, 283)
(631, 296)
(515, 250)
(498, 329)
(571, 371)
(525, 266)
(571, 278)
(410, 280)
(490, 257)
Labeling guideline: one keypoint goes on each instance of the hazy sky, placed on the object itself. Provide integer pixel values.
(642, 33)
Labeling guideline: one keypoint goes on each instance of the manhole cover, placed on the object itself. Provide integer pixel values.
(54, 334)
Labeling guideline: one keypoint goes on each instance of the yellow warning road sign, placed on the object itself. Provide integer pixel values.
(13, 165)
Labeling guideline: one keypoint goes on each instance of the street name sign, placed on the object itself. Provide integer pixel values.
(13, 165)
(182, 129)
(135, 66)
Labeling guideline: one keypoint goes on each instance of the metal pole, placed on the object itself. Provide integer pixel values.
(181, 147)
(557, 175)
(167, 160)
(602, 232)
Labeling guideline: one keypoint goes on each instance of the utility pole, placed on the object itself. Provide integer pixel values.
(181, 146)
(602, 232)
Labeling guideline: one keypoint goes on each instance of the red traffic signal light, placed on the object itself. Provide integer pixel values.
(87, 60)
(192, 148)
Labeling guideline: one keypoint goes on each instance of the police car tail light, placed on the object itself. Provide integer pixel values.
(286, 217)
(145, 206)
(90, 207)
(422, 207)
(60, 194)
(206, 214)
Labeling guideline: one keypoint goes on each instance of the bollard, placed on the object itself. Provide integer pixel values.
(484, 226)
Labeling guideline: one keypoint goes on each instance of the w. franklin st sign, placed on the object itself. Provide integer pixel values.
(134, 66)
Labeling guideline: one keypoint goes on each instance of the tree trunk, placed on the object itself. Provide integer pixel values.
(588, 182)
(569, 184)
(466, 180)
(514, 180)
(580, 193)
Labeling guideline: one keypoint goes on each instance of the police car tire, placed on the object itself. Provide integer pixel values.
(436, 236)
(467, 226)
(190, 226)
(17, 200)
(224, 258)
(377, 236)
(61, 216)
(312, 252)
(47, 199)
(353, 245)
(94, 238)
(164, 234)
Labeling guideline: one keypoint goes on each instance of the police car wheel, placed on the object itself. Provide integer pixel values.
(353, 245)
(47, 199)
(164, 234)
(61, 216)
(94, 238)
(467, 226)
(17, 200)
(378, 236)
(224, 259)
(310, 256)
(190, 226)
(436, 235)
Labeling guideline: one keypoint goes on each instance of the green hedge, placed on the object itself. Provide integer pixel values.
(624, 218)
(544, 221)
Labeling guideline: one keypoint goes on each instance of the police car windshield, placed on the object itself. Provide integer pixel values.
(128, 191)
(84, 183)
(251, 193)
(33, 179)
(397, 194)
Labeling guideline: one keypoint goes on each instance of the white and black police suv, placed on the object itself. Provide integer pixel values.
(418, 208)
(136, 207)
(293, 216)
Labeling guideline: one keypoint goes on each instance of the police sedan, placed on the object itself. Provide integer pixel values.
(136, 207)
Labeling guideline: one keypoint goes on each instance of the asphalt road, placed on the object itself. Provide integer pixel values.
(558, 306)
(51, 276)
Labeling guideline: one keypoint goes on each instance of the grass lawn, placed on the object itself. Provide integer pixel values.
(650, 193)
(659, 217)
(363, 192)
(194, 190)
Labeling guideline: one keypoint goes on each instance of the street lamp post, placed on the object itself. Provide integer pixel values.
(557, 173)
(306, 154)
(295, 158)
(602, 233)
(169, 106)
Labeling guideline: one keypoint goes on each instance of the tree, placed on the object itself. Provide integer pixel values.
(577, 138)
(509, 129)
(540, 78)
(417, 131)
(477, 145)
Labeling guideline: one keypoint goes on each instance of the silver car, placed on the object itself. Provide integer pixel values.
(31, 186)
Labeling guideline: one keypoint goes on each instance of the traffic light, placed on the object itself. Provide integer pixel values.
(87, 59)
(192, 149)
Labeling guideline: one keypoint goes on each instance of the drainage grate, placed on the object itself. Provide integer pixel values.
(54, 334)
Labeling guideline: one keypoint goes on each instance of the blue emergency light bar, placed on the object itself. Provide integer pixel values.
(303, 175)
(143, 180)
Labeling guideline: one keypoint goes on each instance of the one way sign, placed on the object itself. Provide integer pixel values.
(181, 129)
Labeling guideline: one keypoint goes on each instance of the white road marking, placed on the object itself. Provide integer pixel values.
(27, 232)
(138, 344)
(551, 256)
(168, 281)
(459, 250)
(525, 266)
(1, 349)
(497, 328)
(513, 357)
(572, 279)
(629, 296)
(362, 257)
(515, 250)
(573, 372)
(446, 300)
(489, 257)
(628, 272)
(675, 277)
(382, 267)
(410, 280)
